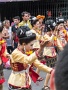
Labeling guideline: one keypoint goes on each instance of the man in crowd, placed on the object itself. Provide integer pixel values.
(25, 21)
(14, 30)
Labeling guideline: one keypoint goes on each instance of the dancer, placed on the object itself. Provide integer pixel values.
(50, 52)
(20, 62)
(3, 56)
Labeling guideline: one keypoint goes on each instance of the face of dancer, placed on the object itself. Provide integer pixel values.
(40, 20)
(61, 26)
(37, 25)
(29, 46)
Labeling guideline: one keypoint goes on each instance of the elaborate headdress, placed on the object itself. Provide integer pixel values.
(40, 16)
(25, 35)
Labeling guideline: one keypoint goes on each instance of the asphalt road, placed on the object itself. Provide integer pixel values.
(35, 86)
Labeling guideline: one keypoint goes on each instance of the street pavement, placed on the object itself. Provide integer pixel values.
(35, 86)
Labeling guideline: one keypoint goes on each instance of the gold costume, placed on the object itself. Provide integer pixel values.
(50, 52)
(18, 78)
(38, 36)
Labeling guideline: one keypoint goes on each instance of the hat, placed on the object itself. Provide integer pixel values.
(40, 16)
(25, 35)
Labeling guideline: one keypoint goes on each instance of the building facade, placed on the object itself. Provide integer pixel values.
(10, 9)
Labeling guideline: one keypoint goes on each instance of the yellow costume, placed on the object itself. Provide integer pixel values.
(36, 45)
(18, 77)
(50, 53)
(48, 50)
(38, 36)
(23, 23)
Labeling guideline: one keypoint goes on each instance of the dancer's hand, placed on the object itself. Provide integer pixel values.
(43, 44)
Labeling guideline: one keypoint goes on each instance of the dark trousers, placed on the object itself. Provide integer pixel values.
(15, 45)
(9, 49)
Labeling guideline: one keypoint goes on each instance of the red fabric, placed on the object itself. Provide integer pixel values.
(20, 66)
(33, 75)
(42, 61)
(4, 59)
(16, 87)
(50, 57)
(52, 80)
(16, 38)
(2, 81)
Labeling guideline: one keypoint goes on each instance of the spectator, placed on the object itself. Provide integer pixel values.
(25, 21)
(14, 30)
(7, 35)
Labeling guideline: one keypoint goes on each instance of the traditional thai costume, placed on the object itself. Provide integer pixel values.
(20, 63)
(19, 77)
(3, 59)
(50, 52)
(63, 37)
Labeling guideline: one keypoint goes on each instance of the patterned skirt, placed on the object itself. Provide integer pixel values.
(51, 62)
